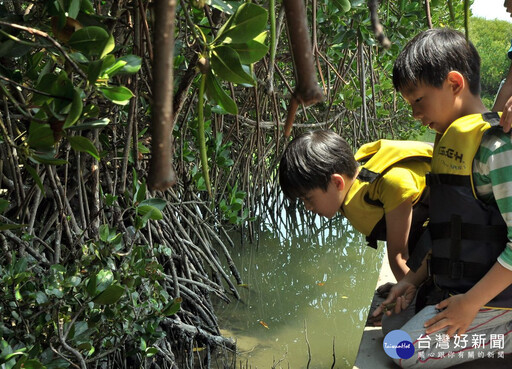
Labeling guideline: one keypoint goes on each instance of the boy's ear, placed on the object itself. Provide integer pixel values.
(338, 181)
(456, 81)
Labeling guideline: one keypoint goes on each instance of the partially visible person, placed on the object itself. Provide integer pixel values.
(503, 101)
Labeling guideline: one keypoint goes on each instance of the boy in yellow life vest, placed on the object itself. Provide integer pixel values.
(380, 189)
(470, 212)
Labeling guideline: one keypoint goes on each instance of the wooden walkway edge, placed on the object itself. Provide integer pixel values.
(371, 353)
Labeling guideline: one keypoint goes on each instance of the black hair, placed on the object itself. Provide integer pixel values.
(311, 159)
(431, 55)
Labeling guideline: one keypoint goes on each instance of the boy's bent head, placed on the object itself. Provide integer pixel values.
(431, 55)
(311, 159)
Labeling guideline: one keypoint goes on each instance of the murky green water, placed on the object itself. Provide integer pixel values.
(307, 282)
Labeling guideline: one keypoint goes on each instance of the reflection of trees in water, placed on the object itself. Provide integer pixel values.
(305, 263)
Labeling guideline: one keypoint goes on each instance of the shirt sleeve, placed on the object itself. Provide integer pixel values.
(493, 180)
(399, 184)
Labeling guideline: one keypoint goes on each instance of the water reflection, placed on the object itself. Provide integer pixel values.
(308, 280)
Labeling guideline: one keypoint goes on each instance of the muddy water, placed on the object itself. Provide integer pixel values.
(308, 289)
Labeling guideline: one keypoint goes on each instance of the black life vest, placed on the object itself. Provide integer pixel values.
(467, 235)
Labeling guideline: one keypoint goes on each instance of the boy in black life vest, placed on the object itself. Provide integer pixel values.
(470, 261)
(379, 189)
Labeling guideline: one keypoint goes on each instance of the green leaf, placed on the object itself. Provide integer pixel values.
(133, 64)
(173, 307)
(63, 87)
(157, 203)
(87, 7)
(215, 92)
(108, 61)
(92, 40)
(100, 282)
(77, 329)
(110, 199)
(248, 21)
(250, 52)
(11, 355)
(13, 49)
(58, 268)
(343, 5)
(226, 64)
(91, 111)
(40, 136)
(223, 6)
(93, 124)
(4, 204)
(79, 57)
(150, 351)
(104, 232)
(73, 281)
(110, 296)
(130, 64)
(35, 65)
(41, 297)
(83, 144)
(47, 157)
(117, 94)
(76, 109)
(74, 8)
(110, 44)
(140, 195)
(94, 71)
(114, 69)
(60, 89)
(149, 212)
(45, 84)
(33, 364)
(35, 177)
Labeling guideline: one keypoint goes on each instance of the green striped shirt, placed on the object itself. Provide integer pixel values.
(492, 176)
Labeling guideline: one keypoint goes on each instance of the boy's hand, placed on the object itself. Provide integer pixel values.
(458, 313)
(400, 296)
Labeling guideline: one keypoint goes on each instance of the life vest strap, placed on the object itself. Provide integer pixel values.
(378, 233)
(421, 249)
(475, 232)
(492, 118)
(456, 269)
(373, 202)
(448, 179)
(366, 175)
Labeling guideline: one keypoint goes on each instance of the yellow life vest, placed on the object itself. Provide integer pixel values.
(377, 157)
(455, 156)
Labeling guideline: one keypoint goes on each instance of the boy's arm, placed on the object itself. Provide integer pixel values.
(404, 291)
(460, 310)
(504, 102)
(398, 224)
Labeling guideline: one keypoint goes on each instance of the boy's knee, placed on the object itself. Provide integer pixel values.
(397, 362)
(410, 363)
(397, 321)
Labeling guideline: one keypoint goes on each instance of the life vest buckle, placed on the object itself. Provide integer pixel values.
(456, 269)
